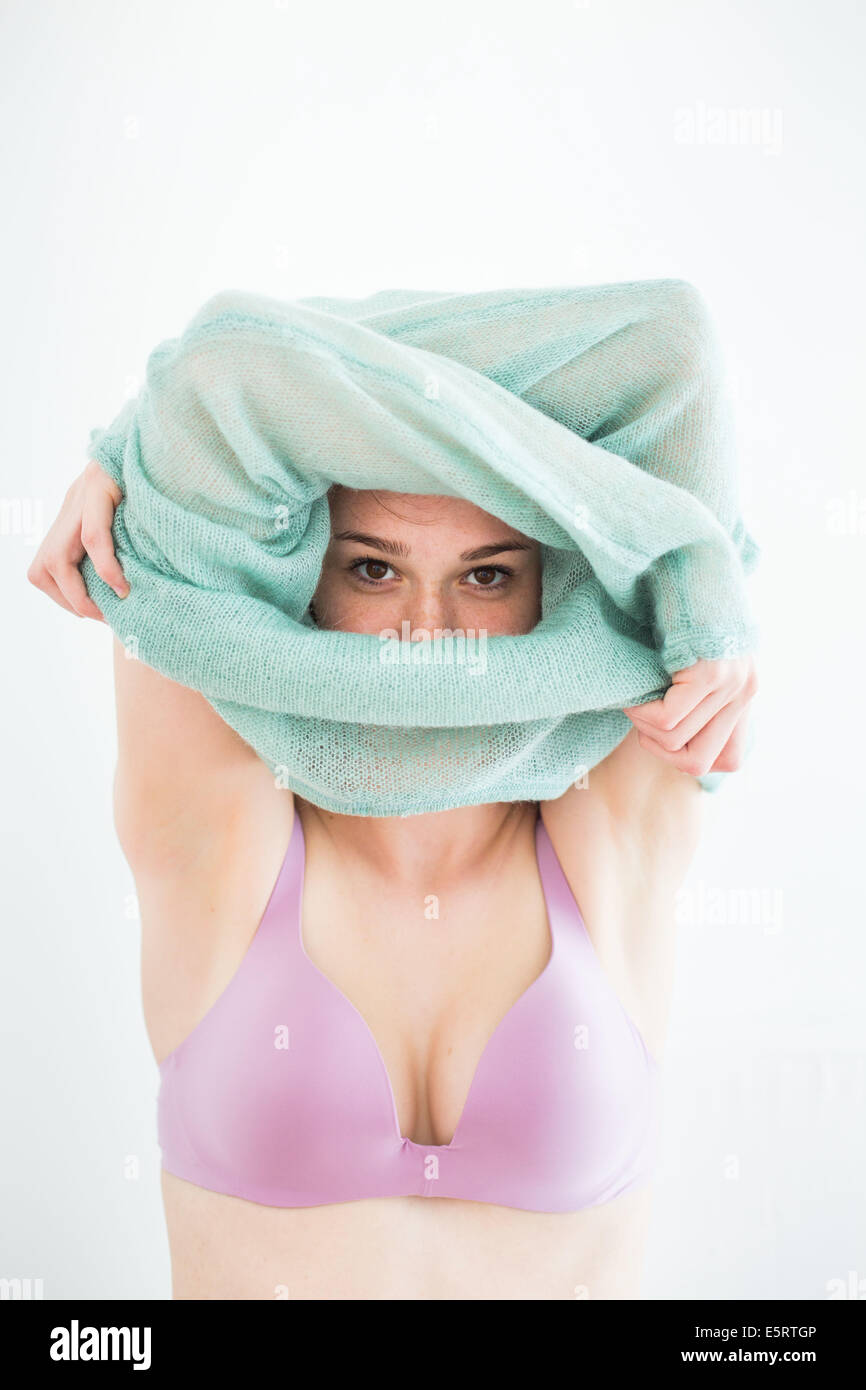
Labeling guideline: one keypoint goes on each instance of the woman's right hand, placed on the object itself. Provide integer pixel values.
(83, 526)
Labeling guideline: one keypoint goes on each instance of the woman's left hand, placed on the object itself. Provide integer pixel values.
(699, 725)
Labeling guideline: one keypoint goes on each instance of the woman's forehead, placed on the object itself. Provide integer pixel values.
(353, 506)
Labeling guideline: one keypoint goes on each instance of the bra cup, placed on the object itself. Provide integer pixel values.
(281, 1096)
(566, 1089)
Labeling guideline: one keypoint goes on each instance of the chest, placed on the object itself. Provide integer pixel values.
(432, 973)
(354, 1057)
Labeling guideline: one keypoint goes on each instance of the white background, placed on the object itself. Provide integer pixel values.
(156, 153)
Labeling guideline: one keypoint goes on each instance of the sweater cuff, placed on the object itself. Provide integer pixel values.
(689, 646)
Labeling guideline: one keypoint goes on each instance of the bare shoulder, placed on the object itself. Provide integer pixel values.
(625, 841)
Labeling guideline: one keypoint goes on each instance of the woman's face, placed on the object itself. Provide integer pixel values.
(434, 562)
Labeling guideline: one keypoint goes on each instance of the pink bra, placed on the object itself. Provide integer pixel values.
(280, 1094)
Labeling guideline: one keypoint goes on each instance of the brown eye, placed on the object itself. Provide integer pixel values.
(377, 570)
(486, 577)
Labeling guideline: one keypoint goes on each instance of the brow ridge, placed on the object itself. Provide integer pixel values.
(402, 551)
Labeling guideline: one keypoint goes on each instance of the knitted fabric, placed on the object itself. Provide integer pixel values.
(593, 419)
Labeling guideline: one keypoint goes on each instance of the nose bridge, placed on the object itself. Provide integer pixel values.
(430, 606)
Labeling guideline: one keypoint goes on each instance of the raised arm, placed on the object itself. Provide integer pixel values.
(185, 780)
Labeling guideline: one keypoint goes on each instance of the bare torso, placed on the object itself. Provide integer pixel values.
(403, 1248)
(431, 993)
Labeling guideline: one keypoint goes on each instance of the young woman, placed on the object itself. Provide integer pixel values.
(462, 1013)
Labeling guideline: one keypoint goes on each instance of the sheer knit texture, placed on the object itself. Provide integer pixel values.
(593, 419)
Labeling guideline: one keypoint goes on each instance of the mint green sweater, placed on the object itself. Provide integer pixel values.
(593, 419)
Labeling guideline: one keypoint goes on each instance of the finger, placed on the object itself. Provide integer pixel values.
(96, 537)
(41, 579)
(698, 756)
(689, 703)
(689, 726)
(731, 756)
(687, 690)
(70, 583)
(707, 746)
(106, 483)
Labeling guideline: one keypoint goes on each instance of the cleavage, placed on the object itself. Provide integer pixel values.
(432, 989)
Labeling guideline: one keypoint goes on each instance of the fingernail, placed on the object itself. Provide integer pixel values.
(121, 593)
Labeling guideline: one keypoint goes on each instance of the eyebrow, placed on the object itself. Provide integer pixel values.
(483, 552)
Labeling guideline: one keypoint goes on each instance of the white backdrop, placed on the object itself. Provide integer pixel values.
(154, 154)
